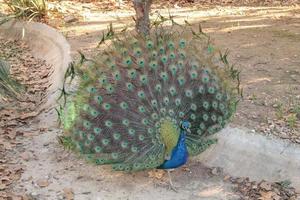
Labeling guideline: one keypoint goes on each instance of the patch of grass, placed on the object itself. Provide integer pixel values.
(66, 142)
(291, 120)
(9, 87)
(289, 111)
(286, 34)
(26, 9)
(280, 111)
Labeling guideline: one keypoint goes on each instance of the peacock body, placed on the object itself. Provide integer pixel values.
(150, 101)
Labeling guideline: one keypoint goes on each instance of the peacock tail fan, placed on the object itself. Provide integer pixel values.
(135, 93)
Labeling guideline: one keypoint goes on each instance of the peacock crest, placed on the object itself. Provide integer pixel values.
(135, 93)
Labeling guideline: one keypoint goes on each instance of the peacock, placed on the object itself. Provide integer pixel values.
(150, 101)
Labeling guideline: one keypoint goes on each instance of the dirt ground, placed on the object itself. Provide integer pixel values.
(264, 43)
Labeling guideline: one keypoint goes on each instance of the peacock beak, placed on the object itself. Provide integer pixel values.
(188, 130)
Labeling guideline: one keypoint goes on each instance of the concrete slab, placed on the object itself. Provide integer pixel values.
(245, 154)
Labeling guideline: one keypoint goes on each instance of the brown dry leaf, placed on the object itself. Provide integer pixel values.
(2, 186)
(156, 174)
(266, 195)
(25, 156)
(265, 185)
(42, 182)
(68, 193)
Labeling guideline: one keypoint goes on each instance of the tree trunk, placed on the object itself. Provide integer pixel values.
(142, 9)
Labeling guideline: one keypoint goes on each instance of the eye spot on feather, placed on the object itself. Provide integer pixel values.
(205, 105)
(163, 110)
(128, 61)
(201, 89)
(105, 141)
(193, 107)
(103, 80)
(219, 96)
(154, 54)
(171, 45)
(181, 80)
(199, 131)
(180, 64)
(189, 93)
(171, 112)
(221, 106)
(98, 149)
(213, 117)
(172, 90)
(145, 121)
(205, 117)
(108, 123)
(181, 114)
(141, 94)
(132, 74)
(129, 86)
(177, 101)
(142, 109)
(161, 49)
(164, 59)
(123, 105)
(144, 79)
(150, 131)
(166, 100)
(202, 126)
(173, 69)
(106, 106)
(124, 144)
(172, 55)
(149, 44)
(141, 62)
(182, 43)
(131, 132)
(205, 78)
(117, 136)
(153, 65)
(91, 137)
(98, 99)
(134, 149)
(182, 54)
(164, 76)
(154, 103)
(193, 74)
(115, 155)
(215, 105)
(211, 90)
(141, 137)
(117, 75)
(158, 87)
(193, 116)
(154, 116)
(110, 89)
(125, 122)
(91, 89)
(138, 51)
(86, 124)
(97, 130)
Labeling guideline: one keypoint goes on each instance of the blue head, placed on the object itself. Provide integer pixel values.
(185, 126)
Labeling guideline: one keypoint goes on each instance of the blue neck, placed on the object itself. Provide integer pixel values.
(181, 139)
(179, 154)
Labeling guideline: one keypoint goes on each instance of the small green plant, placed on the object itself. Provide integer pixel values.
(27, 9)
(8, 86)
(66, 142)
(291, 120)
(280, 110)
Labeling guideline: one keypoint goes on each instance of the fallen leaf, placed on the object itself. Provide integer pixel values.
(42, 182)
(68, 193)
